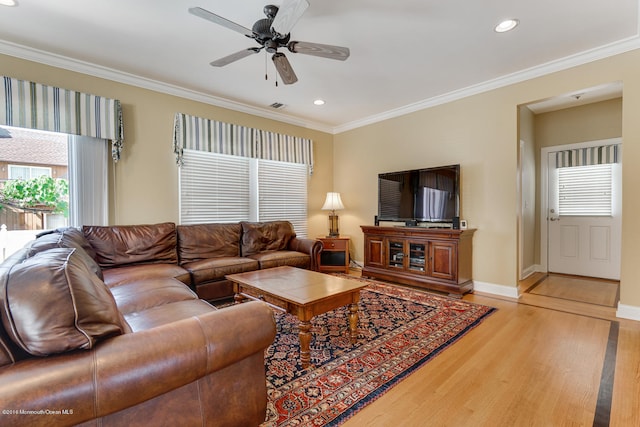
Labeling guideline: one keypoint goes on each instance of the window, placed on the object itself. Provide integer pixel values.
(224, 188)
(81, 160)
(585, 190)
(27, 172)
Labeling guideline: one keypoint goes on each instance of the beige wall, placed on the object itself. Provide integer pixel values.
(481, 133)
(146, 184)
(528, 207)
(592, 122)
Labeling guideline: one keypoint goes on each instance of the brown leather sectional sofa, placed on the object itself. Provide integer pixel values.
(103, 327)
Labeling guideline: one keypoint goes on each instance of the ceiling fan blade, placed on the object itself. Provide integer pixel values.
(284, 68)
(209, 16)
(288, 15)
(317, 49)
(235, 56)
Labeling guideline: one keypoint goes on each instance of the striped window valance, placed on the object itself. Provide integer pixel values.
(36, 106)
(197, 133)
(587, 156)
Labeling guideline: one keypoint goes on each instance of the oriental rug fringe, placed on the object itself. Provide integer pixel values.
(399, 330)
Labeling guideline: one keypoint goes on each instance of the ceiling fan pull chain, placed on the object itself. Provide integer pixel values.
(266, 76)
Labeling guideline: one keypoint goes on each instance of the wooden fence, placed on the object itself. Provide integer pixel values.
(21, 219)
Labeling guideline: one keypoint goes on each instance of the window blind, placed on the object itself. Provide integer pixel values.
(224, 188)
(214, 188)
(282, 193)
(585, 190)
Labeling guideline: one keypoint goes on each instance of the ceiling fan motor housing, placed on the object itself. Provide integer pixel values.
(266, 37)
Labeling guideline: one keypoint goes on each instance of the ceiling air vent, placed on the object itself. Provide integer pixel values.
(277, 105)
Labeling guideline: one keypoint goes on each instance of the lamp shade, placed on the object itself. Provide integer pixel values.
(333, 202)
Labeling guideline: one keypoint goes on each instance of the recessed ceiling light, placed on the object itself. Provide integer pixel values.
(506, 25)
(8, 3)
(319, 102)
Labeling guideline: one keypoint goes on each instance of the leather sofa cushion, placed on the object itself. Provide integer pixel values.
(265, 236)
(9, 350)
(65, 239)
(53, 303)
(203, 241)
(120, 275)
(272, 259)
(212, 269)
(168, 313)
(73, 237)
(133, 244)
(148, 293)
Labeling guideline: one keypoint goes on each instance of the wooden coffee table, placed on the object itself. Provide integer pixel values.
(302, 293)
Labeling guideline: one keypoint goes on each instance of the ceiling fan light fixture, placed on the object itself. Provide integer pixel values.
(319, 102)
(506, 25)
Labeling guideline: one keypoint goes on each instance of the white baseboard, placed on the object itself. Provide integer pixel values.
(490, 288)
(528, 271)
(536, 268)
(628, 312)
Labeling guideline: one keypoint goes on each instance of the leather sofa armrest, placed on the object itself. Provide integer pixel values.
(130, 369)
(311, 247)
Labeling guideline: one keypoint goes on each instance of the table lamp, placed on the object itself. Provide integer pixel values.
(333, 203)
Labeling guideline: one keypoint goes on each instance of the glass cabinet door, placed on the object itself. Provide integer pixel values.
(417, 252)
(396, 253)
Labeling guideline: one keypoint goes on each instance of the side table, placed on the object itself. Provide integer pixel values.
(335, 254)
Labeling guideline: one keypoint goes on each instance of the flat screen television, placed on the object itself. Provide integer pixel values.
(430, 195)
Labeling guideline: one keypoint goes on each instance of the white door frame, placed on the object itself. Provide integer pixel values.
(544, 189)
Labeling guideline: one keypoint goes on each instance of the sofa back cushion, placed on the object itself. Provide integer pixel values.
(52, 303)
(120, 245)
(203, 241)
(66, 238)
(265, 236)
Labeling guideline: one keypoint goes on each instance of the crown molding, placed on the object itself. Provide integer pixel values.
(581, 58)
(70, 64)
(59, 61)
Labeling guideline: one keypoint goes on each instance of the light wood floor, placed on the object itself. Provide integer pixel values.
(525, 365)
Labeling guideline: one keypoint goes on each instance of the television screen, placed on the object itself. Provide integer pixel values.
(421, 195)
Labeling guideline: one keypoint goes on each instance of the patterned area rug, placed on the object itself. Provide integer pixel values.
(399, 331)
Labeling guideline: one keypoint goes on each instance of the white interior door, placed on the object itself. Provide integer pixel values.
(583, 242)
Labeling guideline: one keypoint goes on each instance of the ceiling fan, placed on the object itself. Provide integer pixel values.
(273, 33)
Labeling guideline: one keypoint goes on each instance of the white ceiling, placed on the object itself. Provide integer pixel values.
(405, 54)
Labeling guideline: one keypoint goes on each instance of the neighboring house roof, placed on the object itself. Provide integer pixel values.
(33, 147)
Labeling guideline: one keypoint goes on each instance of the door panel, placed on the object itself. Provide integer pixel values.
(443, 260)
(569, 241)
